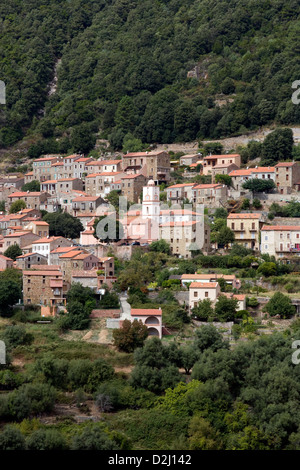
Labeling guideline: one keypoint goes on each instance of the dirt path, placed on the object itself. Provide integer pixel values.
(229, 143)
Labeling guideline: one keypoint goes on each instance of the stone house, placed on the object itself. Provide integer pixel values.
(43, 287)
(287, 176)
(27, 260)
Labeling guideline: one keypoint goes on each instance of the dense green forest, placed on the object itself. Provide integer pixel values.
(124, 64)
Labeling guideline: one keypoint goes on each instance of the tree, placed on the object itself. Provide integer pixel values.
(202, 436)
(17, 206)
(225, 236)
(15, 335)
(204, 310)
(113, 198)
(62, 224)
(160, 246)
(13, 252)
(278, 146)
(32, 186)
(46, 439)
(245, 204)
(226, 308)
(80, 303)
(11, 438)
(10, 294)
(267, 269)
(259, 185)
(108, 229)
(82, 138)
(188, 357)
(93, 438)
(208, 337)
(220, 213)
(281, 305)
(130, 336)
(223, 179)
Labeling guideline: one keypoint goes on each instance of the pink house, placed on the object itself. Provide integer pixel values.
(151, 317)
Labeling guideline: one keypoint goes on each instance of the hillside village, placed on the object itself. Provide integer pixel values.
(156, 208)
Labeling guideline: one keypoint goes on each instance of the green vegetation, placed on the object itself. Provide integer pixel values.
(138, 91)
(62, 224)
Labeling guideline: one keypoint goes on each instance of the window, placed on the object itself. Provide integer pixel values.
(266, 247)
(232, 226)
(266, 238)
(206, 294)
(287, 177)
(195, 294)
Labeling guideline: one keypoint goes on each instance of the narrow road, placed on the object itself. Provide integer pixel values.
(126, 308)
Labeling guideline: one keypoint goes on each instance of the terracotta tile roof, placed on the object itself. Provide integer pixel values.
(86, 198)
(49, 182)
(18, 234)
(208, 276)
(143, 154)
(283, 164)
(245, 216)
(71, 254)
(142, 312)
(42, 273)
(203, 285)
(43, 159)
(213, 157)
(46, 267)
(64, 249)
(5, 258)
(104, 162)
(90, 273)
(45, 240)
(181, 185)
(132, 176)
(269, 228)
(30, 173)
(208, 186)
(25, 194)
(56, 283)
(40, 222)
(104, 173)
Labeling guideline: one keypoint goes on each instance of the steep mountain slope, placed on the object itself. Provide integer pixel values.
(124, 66)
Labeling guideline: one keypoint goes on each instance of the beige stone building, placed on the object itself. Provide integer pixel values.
(32, 199)
(210, 194)
(287, 176)
(177, 193)
(222, 169)
(246, 228)
(86, 205)
(19, 238)
(189, 159)
(211, 161)
(5, 262)
(77, 260)
(64, 185)
(132, 186)
(43, 287)
(39, 227)
(27, 260)
(280, 240)
(150, 317)
(154, 165)
(185, 237)
(100, 184)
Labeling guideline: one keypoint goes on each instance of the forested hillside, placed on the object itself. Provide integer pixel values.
(124, 67)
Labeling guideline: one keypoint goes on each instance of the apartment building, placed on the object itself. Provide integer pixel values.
(211, 161)
(200, 291)
(177, 193)
(42, 167)
(20, 238)
(246, 228)
(210, 194)
(185, 237)
(45, 245)
(280, 240)
(239, 177)
(100, 184)
(33, 199)
(154, 165)
(64, 185)
(101, 166)
(86, 204)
